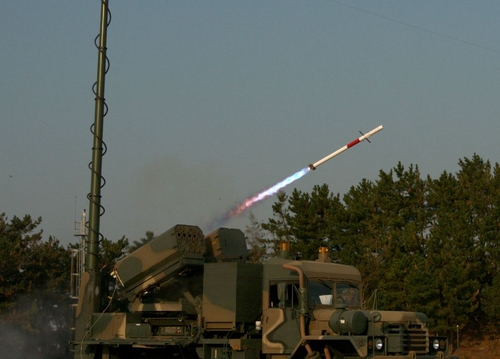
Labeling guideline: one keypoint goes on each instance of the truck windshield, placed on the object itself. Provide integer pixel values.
(348, 293)
(323, 291)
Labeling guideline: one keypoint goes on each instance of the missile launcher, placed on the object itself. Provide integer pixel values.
(195, 296)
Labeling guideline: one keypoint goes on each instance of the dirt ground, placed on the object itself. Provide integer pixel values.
(487, 348)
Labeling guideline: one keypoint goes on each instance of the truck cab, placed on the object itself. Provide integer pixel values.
(313, 309)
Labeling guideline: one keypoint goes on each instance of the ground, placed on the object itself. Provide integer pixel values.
(480, 348)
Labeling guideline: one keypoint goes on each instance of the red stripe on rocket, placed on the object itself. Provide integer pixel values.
(313, 166)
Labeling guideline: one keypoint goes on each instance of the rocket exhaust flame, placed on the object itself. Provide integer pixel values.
(250, 201)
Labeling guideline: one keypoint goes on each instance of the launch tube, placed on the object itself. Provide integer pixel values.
(313, 166)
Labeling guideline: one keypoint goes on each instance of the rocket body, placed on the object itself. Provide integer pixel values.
(315, 165)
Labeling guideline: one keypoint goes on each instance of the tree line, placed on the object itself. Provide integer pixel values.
(35, 297)
(421, 244)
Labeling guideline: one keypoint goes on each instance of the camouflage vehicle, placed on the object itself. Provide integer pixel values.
(194, 296)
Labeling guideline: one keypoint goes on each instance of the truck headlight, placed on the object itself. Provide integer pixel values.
(438, 344)
(435, 344)
(379, 344)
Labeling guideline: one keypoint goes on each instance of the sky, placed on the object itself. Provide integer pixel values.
(211, 102)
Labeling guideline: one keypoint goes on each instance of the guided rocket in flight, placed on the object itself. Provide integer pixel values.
(250, 201)
(315, 165)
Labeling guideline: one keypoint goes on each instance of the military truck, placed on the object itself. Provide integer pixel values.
(195, 296)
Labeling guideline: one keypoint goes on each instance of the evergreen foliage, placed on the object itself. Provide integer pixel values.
(137, 244)
(421, 244)
(34, 284)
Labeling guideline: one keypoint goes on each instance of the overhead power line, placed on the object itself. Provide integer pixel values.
(417, 27)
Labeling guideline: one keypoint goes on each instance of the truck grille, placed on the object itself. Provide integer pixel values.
(405, 339)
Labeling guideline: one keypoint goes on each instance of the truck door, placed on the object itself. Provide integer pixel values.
(280, 320)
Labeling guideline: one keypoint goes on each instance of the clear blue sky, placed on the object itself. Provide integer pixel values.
(211, 102)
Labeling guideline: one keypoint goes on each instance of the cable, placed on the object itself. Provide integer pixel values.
(99, 318)
(417, 27)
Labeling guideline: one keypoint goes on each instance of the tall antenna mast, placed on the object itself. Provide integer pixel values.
(90, 288)
(90, 301)
(98, 148)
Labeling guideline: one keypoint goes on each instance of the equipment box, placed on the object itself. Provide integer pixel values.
(232, 294)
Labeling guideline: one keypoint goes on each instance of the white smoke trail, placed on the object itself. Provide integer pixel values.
(237, 210)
